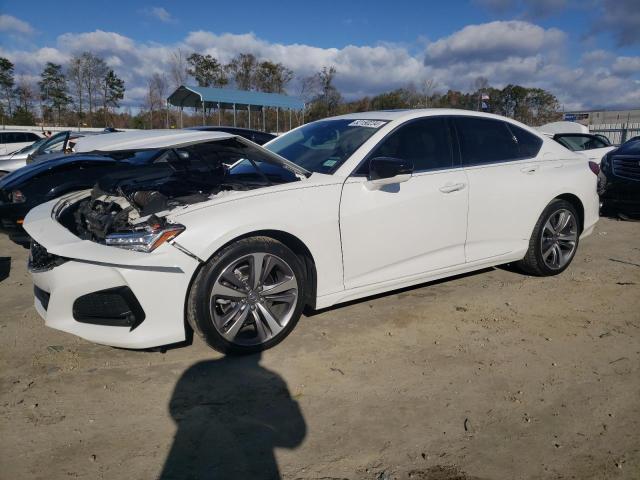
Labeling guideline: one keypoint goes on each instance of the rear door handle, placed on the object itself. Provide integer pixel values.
(529, 169)
(452, 187)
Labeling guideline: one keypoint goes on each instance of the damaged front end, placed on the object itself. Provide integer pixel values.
(129, 210)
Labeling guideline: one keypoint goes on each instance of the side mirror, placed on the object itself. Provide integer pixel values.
(29, 159)
(388, 170)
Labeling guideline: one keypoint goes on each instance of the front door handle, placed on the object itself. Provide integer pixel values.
(452, 187)
(529, 169)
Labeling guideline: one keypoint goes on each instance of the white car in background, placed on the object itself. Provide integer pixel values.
(44, 146)
(14, 140)
(235, 241)
(577, 138)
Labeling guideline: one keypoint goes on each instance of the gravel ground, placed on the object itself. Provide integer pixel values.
(493, 375)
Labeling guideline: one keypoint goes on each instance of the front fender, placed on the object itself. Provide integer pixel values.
(307, 213)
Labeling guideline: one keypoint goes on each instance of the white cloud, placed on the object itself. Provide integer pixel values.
(504, 52)
(494, 41)
(12, 24)
(158, 13)
(626, 66)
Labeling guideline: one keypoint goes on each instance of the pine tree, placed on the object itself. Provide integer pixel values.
(53, 89)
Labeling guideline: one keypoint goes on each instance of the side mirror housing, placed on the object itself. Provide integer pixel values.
(387, 171)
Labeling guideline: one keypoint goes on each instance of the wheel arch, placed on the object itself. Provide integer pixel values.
(577, 204)
(296, 245)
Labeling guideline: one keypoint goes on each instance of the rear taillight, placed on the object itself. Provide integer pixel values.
(594, 167)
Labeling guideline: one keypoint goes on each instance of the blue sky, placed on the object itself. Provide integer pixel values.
(580, 50)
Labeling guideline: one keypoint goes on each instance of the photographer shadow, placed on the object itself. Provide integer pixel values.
(231, 414)
(5, 268)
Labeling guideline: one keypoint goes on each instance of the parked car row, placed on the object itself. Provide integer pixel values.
(137, 234)
(43, 146)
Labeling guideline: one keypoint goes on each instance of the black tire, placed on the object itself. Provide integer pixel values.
(199, 313)
(533, 263)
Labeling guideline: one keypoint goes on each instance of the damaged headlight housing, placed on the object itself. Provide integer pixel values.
(145, 240)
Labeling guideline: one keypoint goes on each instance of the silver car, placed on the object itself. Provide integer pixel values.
(57, 143)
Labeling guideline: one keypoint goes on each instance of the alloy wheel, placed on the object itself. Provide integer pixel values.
(559, 239)
(253, 299)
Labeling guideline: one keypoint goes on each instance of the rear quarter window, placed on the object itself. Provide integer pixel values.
(528, 144)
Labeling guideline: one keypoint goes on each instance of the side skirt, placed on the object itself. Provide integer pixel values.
(376, 288)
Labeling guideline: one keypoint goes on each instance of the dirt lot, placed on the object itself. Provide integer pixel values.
(488, 376)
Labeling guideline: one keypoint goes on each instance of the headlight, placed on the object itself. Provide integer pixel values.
(18, 197)
(145, 240)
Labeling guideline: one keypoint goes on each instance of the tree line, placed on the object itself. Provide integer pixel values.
(87, 92)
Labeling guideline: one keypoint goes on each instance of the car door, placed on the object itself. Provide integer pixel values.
(506, 182)
(410, 228)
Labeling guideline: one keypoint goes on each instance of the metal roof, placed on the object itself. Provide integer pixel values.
(190, 96)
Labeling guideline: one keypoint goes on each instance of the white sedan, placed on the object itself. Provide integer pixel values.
(233, 241)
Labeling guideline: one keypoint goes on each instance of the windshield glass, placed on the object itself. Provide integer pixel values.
(325, 145)
(579, 143)
(33, 146)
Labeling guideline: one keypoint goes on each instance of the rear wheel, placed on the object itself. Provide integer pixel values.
(554, 241)
(248, 297)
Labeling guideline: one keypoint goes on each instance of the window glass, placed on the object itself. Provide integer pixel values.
(31, 137)
(324, 145)
(484, 140)
(578, 143)
(55, 146)
(528, 143)
(425, 142)
(232, 159)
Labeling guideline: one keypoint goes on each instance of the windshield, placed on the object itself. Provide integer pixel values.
(33, 146)
(324, 145)
(579, 143)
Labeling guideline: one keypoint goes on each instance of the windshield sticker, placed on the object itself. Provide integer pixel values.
(330, 162)
(367, 123)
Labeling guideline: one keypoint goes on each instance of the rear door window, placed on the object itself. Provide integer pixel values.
(485, 141)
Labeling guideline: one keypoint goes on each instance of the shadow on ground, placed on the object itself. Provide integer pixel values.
(231, 414)
(5, 268)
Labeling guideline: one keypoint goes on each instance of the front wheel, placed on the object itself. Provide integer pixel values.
(248, 297)
(554, 241)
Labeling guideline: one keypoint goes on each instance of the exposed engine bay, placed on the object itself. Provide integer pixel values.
(138, 200)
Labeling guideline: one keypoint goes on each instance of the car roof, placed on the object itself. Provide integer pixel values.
(142, 139)
(222, 128)
(406, 114)
(13, 130)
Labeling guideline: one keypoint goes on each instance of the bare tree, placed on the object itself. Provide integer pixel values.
(156, 93)
(177, 68)
(75, 73)
(243, 68)
(428, 89)
(95, 71)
